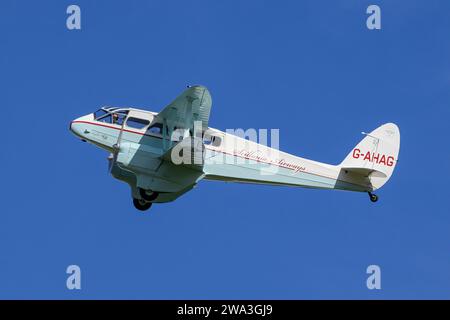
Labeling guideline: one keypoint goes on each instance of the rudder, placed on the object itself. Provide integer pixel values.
(376, 155)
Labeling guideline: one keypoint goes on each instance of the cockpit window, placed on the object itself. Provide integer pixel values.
(137, 123)
(99, 113)
(118, 118)
(111, 115)
(107, 118)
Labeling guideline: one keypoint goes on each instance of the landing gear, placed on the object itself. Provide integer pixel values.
(373, 197)
(148, 195)
(141, 204)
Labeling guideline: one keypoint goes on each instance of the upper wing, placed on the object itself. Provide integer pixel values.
(194, 104)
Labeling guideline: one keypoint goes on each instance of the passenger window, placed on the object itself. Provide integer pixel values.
(156, 128)
(212, 140)
(137, 123)
(207, 140)
(216, 141)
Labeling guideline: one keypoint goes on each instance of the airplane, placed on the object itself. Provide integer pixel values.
(163, 155)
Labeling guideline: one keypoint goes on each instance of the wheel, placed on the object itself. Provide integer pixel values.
(148, 195)
(141, 205)
(373, 197)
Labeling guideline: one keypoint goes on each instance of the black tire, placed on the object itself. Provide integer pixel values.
(141, 204)
(373, 197)
(148, 197)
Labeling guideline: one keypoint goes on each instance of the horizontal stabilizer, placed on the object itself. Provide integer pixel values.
(366, 172)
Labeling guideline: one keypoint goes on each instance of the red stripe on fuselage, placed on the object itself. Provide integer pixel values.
(143, 134)
(116, 128)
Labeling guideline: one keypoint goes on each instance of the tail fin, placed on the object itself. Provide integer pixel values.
(376, 155)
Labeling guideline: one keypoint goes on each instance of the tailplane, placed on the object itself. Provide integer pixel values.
(376, 155)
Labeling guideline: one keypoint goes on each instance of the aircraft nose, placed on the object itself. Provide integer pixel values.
(78, 126)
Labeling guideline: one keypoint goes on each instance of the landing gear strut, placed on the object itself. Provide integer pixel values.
(373, 197)
(141, 204)
(148, 195)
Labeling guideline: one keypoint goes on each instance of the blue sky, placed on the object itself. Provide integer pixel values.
(310, 68)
